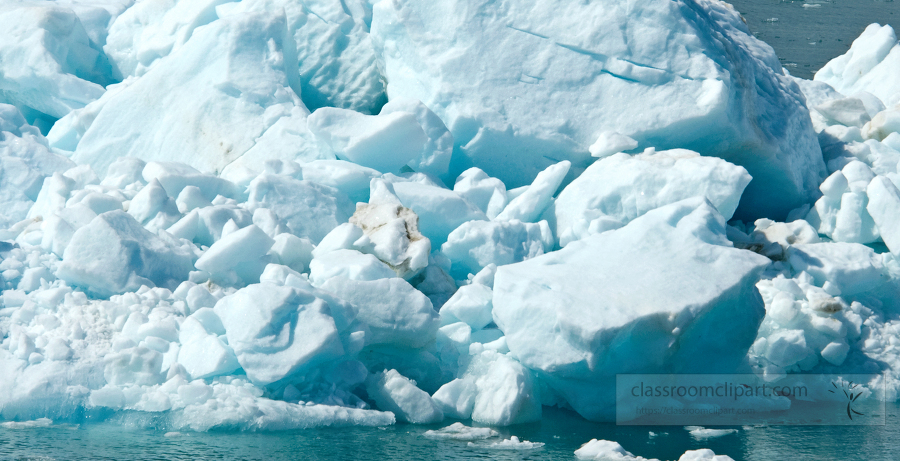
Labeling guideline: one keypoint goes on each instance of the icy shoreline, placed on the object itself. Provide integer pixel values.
(236, 223)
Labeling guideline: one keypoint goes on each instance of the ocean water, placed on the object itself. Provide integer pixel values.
(562, 433)
(808, 34)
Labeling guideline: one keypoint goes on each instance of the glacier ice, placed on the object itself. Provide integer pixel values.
(240, 72)
(521, 85)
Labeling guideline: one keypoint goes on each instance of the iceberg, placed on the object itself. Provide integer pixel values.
(276, 214)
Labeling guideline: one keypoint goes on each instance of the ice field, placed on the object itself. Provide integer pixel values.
(271, 215)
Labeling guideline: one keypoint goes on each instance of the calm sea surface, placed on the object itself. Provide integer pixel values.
(807, 34)
(562, 433)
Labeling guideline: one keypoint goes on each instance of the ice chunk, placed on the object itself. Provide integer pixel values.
(351, 179)
(435, 156)
(175, 176)
(477, 244)
(152, 30)
(440, 210)
(705, 454)
(884, 207)
(459, 431)
(842, 212)
(392, 234)
(202, 353)
(293, 251)
(481, 190)
(238, 256)
(545, 87)
(384, 142)
(470, 304)
(507, 391)
(610, 142)
(349, 264)
(396, 393)
(148, 202)
(278, 332)
(883, 124)
(48, 63)
(846, 111)
(702, 433)
(25, 160)
(512, 443)
(852, 267)
(835, 352)
(786, 347)
(240, 72)
(529, 206)
(670, 275)
(605, 450)
(394, 311)
(309, 210)
(615, 190)
(338, 65)
(457, 400)
(868, 66)
(114, 254)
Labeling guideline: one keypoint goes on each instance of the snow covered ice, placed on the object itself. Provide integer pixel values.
(280, 214)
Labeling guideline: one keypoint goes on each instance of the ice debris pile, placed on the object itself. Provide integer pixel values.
(271, 214)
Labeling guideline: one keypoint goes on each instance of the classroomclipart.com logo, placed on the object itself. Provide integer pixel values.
(749, 399)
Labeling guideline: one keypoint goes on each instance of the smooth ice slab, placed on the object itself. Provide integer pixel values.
(114, 254)
(870, 65)
(666, 293)
(239, 74)
(525, 85)
(278, 332)
(617, 189)
(48, 64)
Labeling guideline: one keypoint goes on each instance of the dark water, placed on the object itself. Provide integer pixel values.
(561, 431)
(807, 34)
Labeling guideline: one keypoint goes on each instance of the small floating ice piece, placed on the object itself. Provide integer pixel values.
(40, 422)
(459, 431)
(702, 433)
(611, 142)
(512, 443)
